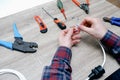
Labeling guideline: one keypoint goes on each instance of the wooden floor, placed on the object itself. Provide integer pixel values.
(86, 55)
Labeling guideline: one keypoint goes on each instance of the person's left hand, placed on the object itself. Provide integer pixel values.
(69, 37)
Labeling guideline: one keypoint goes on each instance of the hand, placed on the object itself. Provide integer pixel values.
(94, 27)
(68, 38)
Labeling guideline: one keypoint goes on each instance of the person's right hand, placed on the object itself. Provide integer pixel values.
(94, 27)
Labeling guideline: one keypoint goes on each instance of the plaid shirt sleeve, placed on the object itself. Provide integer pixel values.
(60, 68)
(112, 42)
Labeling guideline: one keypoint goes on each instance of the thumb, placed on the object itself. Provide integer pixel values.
(84, 28)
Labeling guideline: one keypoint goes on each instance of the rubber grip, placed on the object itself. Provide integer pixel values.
(60, 24)
(16, 33)
(87, 1)
(6, 44)
(76, 2)
(42, 25)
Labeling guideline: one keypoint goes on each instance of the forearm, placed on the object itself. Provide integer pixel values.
(60, 68)
(112, 42)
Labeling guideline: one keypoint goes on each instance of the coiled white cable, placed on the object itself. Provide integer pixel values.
(14, 72)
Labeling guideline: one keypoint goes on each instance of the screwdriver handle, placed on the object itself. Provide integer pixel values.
(60, 24)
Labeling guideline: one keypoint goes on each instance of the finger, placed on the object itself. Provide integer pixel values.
(88, 21)
(76, 37)
(63, 32)
(66, 30)
(84, 28)
(70, 32)
(75, 41)
(76, 29)
(83, 22)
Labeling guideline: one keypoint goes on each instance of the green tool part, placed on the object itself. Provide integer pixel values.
(60, 6)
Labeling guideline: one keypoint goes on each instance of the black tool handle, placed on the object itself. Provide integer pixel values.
(60, 24)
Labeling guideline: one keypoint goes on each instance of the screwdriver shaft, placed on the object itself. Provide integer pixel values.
(48, 13)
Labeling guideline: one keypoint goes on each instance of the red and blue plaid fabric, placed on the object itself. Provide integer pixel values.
(60, 68)
(112, 42)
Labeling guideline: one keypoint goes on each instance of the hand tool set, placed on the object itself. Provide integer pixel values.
(60, 24)
(28, 47)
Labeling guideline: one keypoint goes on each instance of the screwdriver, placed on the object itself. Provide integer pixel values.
(60, 24)
(60, 6)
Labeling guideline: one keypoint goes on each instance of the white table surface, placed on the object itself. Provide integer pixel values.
(8, 7)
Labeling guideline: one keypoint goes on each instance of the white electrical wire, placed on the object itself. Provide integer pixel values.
(87, 78)
(14, 72)
(103, 50)
(104, 56)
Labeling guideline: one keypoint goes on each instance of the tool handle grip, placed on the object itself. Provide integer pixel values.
(6, 44)
(88, 2)
(60, 24)
(16, 33)
(76, 2)
(59, 4)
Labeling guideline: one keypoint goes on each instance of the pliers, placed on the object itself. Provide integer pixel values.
(112, 20)
(19, 44)
(84, 6)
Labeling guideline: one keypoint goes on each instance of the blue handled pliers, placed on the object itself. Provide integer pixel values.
(112, 20)
(19, 44)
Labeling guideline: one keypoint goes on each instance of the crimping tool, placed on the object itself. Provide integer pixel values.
(84, 6)
(19, 44)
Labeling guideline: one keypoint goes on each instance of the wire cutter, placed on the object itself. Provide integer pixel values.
(112, 20)
(84, 6)
(19, 44)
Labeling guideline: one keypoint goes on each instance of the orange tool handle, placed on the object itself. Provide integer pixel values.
(76, 2)
(60, 24)
(40, 22)
(88, 2)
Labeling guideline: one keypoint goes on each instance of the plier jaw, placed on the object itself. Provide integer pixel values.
(22, 46)
(85, 7)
